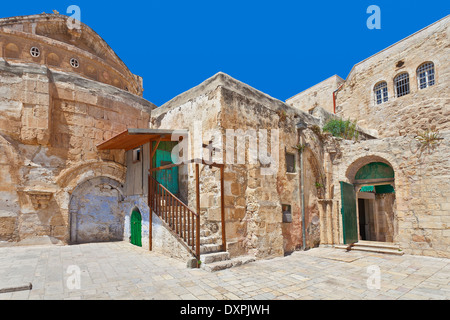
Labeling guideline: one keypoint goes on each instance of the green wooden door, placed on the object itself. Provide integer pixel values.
(348, 211)
(136, 228)
(167, 177)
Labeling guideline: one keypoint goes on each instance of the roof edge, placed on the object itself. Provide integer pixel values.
(396, 43)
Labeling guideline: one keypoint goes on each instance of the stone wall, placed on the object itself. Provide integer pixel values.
(50, 125)
(320, 95)
(57, 45)
(419, 110)
(253, 200)
(422, 194)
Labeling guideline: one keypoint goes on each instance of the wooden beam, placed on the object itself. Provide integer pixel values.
(152, 154)
(150, 199)
(196, 161)
(374, 181)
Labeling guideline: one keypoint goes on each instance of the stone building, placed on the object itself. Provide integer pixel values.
(260, 177)
(62, 92)
(397, 95)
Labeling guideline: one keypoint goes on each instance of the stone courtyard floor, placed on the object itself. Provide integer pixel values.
(119, 270)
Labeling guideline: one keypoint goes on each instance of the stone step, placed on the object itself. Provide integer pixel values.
(221, 265)
(373, 246)
(214, 257)
(208, 248)
(209, 240)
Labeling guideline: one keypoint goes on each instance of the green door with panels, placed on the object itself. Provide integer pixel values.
(348, 211)
(136, 228)
(167, 177)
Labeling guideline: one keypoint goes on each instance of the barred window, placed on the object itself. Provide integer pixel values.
(425, 75)
(381, 92)
(402, 84)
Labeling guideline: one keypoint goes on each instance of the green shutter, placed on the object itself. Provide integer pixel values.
(167, 177)
(348, 211)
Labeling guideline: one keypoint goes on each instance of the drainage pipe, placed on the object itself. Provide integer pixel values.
(300, 127)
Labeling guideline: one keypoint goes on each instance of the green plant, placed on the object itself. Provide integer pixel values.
(300, 147)
(340, 128)
(428, 138)
(283, 115)
(319, 185)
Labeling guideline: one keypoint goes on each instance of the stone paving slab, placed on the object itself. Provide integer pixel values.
(121, 271)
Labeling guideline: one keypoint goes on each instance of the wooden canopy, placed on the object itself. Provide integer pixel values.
(133, 138)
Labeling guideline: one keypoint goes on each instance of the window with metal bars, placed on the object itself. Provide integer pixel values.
(381, 92)
(425, 75)
(402, 84)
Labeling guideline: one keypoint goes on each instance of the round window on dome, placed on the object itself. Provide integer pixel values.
(35, 52)
(74, 63)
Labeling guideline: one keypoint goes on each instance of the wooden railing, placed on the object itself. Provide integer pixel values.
(179, 218)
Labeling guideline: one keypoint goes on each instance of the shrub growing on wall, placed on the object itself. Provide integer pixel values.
(345, 129)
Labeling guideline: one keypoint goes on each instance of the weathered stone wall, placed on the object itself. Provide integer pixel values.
(50, 124)
(320, 95)
(419, 110)
(422, 194)
(253, 200)
(95, 211)
(198, 113)
(57, 45)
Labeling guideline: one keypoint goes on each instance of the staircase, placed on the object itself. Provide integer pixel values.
(212, 256)
(372, 246)
(184, 224)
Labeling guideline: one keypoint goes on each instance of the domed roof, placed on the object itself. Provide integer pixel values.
(58, 30)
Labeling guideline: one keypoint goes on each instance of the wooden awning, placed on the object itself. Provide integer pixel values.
(133, 138)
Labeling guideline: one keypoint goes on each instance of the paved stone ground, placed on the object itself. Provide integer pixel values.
(121, 271)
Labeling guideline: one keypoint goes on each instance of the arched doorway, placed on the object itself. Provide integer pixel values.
(368, 201)
(136, 228)
(95, 213)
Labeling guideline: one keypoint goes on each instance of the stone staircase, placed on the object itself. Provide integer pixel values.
(212, 256)
(373, 246)
(184, 224)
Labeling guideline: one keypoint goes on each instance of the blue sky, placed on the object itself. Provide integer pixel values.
(279, 47)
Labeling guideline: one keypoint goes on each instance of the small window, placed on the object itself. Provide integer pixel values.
(74, 63)
(287, 213)
(290, 163)
(402, 84)
(137, 155)
(381, 92)
(425, 75)
(35, 52)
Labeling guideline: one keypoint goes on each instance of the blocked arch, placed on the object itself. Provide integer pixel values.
(94, 211)
(12, 51)
(70, 178)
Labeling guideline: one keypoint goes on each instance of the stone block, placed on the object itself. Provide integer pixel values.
(7, 227)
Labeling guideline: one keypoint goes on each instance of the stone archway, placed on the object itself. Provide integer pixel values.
(95, 211)
(373, 180)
